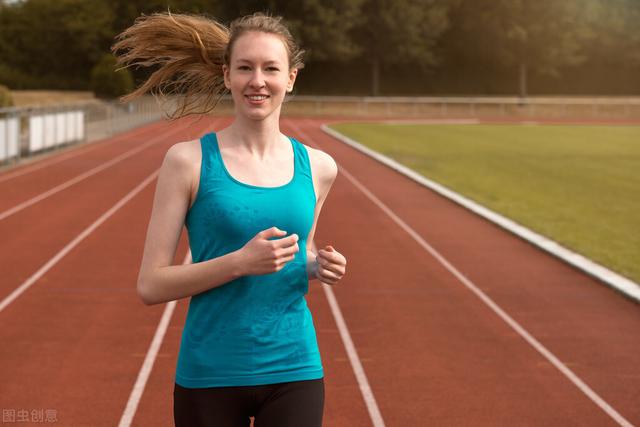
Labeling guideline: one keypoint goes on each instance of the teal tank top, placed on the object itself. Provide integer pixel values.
(258, 329)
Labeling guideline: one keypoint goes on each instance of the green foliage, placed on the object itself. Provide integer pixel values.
(525, 35)
(126, 11)
(323, 27)
(614, 24)
(106, 82)
(543, 35)
(16, 78)
(400, 32)
(54, 44)
(6, 100)
(58, 41)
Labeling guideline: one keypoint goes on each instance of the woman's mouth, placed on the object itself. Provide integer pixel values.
(256, 99)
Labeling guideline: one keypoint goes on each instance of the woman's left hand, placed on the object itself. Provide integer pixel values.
(331, 265)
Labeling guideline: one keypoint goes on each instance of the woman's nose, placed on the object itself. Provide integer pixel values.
(257, 79)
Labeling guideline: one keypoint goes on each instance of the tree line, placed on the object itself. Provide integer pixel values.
(366, 47)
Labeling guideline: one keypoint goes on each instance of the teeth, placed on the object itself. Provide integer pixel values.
(257, 98)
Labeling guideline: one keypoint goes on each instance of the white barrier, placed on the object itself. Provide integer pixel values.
(9, 137)
(49, 130)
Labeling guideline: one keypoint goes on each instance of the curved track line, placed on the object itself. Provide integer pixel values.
(85, 175)
(582, 386)
(626, 286)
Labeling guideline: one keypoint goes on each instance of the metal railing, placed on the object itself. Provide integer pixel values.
(25, 131)
(434, 107)
(102, 119)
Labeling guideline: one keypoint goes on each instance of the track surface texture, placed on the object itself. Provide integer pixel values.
(432, 350)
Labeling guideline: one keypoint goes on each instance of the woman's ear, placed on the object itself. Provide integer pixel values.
(225, 74)
(292, 79)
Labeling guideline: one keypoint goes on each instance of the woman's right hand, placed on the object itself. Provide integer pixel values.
(263, 256)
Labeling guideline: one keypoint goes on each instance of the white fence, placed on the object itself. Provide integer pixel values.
(49, 130)
(605, 108)
(9, 137)
(32, 130)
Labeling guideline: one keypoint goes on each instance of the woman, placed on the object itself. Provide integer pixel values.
(250, 198)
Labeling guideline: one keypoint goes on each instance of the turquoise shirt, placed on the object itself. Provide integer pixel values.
(255, 329)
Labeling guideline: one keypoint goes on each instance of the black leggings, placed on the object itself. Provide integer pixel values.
(292, 404)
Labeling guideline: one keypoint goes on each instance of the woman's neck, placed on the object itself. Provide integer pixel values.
(259, 138)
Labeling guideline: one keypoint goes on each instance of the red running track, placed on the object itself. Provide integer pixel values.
(432, 350)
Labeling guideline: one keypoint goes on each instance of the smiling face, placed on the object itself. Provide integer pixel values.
(258, 74)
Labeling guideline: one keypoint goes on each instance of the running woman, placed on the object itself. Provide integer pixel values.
(250, 198)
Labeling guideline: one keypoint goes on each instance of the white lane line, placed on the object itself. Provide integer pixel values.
(149, 360)
(582, 386)
(352, 354)
(358, 370)
(57, 257)
(152, 353)
(48, 161)
(626, 286)
(87, 174)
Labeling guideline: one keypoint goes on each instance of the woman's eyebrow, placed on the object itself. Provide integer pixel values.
(251, 62)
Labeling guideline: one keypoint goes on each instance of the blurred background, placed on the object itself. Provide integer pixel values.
(355, 47)
(525, 112)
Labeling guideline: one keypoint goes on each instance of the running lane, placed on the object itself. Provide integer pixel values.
(36, 233)
(433, 353)
(343, 406)
(436, 352)
(23, 182)
(75, 339)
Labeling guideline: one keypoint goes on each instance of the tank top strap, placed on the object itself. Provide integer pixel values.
(205, 148)
(303, 165)
(211, 159)
(212, 165)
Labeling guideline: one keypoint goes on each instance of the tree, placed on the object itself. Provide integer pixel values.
(618, 34)
(126, 11)
(544, 35)
(321, 26)
(399, 32)
(56, 41)
(106, 82)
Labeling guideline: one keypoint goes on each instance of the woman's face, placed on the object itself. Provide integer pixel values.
(258, 75)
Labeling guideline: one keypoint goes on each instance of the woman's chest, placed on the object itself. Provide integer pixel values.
(238, 214)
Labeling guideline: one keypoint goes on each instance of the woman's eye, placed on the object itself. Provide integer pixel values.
(246, 67)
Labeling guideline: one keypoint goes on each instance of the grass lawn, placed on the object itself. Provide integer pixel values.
(578, 185)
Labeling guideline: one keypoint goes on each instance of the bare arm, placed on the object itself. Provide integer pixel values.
(158, 280)
(327, 170)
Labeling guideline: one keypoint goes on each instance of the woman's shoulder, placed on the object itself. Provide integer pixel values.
(185, 152)
(322, 163)
(183, 157)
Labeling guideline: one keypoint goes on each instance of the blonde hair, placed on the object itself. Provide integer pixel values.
(189, 51)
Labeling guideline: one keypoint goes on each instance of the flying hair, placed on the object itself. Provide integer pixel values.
(188, 52)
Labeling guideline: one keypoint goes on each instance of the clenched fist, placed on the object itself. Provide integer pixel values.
(263, 256)
(332, 265)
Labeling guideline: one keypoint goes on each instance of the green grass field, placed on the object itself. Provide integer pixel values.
(578, 185)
